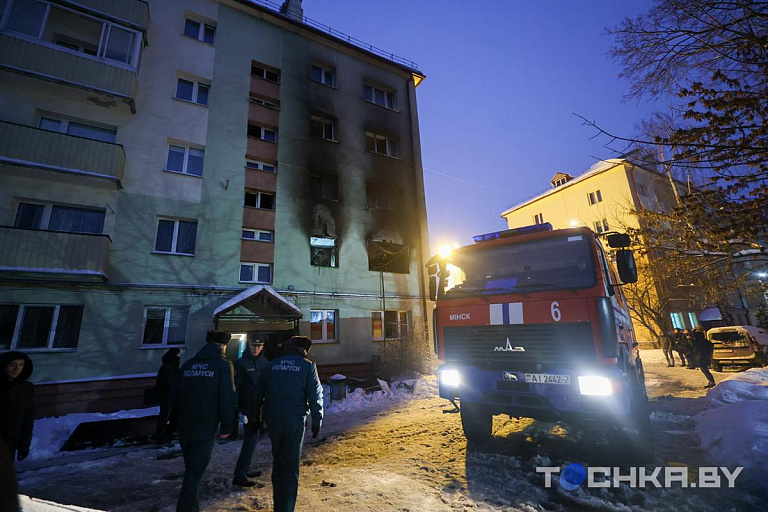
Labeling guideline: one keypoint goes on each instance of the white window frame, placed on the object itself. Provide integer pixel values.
(327, 75)
(328, 244)
(257, 235)
(51, 330)
(201, 31)
(326, 122)
(185, 167)
(258, 165)
(64, 123)
(382, 317)
(102, 47)
(260, 194)
(538, 218)
(388, 93)
(175, 237)
(561, 181)
(45, 220)
(166, 326)
(601, 226)
(263, 73)
(256, 266)
(324, 326)
(195, 91)
(264, 102)
(262, 132)
(392, 145)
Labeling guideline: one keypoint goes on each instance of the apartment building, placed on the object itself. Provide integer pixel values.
(602, 198)
(171, 166)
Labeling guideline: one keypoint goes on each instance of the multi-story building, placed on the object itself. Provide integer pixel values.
(170, 166)
(604, 198)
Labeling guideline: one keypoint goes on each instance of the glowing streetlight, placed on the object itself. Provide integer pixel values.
(444, 251)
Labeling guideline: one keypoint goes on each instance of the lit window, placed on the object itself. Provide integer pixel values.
(322, 324)
(185, 160)
(323, 252)
(390, 324)
(259, 235)
(255, 272)
(165, 325)
(263, 200)
(199, 30)
(192, 91)
(381, 145)
(39, 327)
(379, 96)
(176, 236)
(323, 74)
(677, 320)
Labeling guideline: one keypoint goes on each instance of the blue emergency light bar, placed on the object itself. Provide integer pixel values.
(523, 230)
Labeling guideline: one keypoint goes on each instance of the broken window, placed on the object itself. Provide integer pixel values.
(390, 324)
(388, 257)
(323, 252)
(324, 186)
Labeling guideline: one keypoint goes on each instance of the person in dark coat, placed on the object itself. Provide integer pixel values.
(9, 489)
(690, 350)
(17, 403)
(248, 370)
(165, 387)
(680, 346)
(703, 350)
(290, 388)
(206, 399)
(667, 344)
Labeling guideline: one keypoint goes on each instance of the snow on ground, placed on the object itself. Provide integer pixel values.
(35, 505)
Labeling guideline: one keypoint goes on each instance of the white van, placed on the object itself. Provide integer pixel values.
(740, 345)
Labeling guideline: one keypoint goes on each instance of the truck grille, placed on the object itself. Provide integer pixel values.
(545, 345)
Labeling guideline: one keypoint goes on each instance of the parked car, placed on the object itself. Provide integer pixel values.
(739, 345)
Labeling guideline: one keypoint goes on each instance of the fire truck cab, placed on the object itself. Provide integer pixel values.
(532, 322)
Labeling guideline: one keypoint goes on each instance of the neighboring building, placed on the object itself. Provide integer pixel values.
(602, 199)
(171, 166)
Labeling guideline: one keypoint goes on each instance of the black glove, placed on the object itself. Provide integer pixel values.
(315, 431)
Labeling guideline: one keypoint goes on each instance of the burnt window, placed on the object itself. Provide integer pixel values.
(388, 257)
(383, 196)
(262, 200)
(324, 186)
(323, 252)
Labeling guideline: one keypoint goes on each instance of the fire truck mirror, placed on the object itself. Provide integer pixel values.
(618, 240)
(625, 263)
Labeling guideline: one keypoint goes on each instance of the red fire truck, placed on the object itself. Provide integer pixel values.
(532, 322)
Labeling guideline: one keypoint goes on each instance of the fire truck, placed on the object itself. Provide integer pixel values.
(532, 322)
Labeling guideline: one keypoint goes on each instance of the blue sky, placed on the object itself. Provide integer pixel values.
(504, 79)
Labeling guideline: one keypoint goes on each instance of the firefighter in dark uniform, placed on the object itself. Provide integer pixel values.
(248, 370)
(206, 398)
(290, 388)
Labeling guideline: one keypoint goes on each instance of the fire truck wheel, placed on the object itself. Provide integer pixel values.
(477, 423)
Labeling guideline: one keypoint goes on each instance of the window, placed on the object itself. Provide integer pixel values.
(677, 320)
(323, 252)
(262, 133)
(379, 96)
(324, 187)
(165, 325)
(388, 257)
(94, 37)
(390, 324)
(601, 226)
(383, 196)
(71, 219)
(322, 324)
(538, 218)
(561, 181)
(594, 197)
(323, 127)
(86, 131)
(259, 235)
(263, 200)
(265, 102)
(261, 166)
(323, 74)
(176, 236)
(39, 327)
(692, 319)
(185, 160)
(272, 75)
(199, 30)
(195, 92)
(255, 272)
(381, 145)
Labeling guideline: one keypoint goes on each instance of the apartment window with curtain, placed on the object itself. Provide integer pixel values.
(322, 325)
(165, 325)
(55, 217)
(39, 327)
(175, 236)
(390, 325)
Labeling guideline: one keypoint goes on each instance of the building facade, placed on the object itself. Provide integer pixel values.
(602, 198)
(160, 159)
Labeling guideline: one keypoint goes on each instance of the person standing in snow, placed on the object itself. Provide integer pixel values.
(17, 403)
(248, 370)
(206, 399)
(667, 343)
(165, 384)
(703, 350)
(289, 389)
(678, 342)
(690, 350)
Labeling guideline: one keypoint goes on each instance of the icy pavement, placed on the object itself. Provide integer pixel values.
(395, 451)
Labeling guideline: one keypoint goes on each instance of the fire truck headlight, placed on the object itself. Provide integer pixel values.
(595, 386)
(450, 378)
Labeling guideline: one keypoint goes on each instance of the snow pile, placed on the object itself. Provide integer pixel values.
(35, 505)
(50, 434)
(734, 430)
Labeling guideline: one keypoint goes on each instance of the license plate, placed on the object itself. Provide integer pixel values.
(547, 378)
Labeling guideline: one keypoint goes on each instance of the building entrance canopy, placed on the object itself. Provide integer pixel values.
(259, 304)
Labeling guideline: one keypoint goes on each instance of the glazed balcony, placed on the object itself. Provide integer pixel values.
(53, 255)
(77, 159)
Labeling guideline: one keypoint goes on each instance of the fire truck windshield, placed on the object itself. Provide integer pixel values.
(563, 262)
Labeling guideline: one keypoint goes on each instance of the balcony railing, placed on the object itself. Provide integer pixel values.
(53, 255)
(58, 152)
(49, 63)
(135, 12)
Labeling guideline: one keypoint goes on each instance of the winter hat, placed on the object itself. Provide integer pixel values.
(257, 339)
(217, 337)
(300, 342)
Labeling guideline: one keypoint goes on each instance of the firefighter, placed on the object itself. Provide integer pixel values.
(703, 350)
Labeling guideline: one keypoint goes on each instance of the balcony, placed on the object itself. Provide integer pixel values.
(53, 255)
(84, 161)
(82, 72)
(135, 12)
